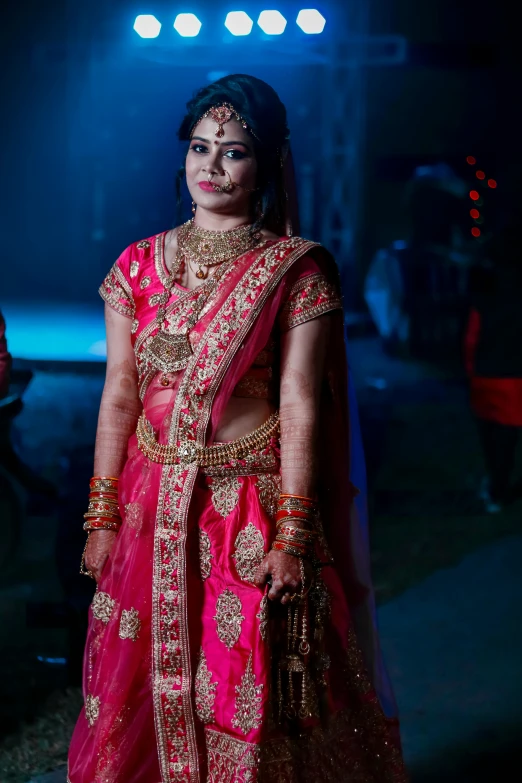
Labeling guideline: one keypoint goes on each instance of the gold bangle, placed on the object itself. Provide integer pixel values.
(303, 525)
(103, 483)
(305, 536)
(297, 497)
(278, 546)
(109, 526)
(292, 542)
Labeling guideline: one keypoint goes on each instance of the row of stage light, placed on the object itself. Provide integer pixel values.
(239, 23)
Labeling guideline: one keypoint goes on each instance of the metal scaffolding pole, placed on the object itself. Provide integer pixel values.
(342, 136)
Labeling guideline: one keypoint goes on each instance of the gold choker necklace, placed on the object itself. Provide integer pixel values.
(203, 248)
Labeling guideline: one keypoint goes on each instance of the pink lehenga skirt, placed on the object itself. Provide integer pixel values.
(235, 636)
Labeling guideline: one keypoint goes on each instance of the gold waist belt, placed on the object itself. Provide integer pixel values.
(189, 453)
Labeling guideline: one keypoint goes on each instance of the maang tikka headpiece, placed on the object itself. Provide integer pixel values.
(221, 115)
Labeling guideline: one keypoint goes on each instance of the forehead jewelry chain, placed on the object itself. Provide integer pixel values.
(221, 115)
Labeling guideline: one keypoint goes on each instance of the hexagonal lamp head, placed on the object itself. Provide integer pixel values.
(187, 25)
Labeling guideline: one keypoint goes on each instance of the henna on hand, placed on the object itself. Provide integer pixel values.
(283, 570)
(284, 573)
(120, 405)
(303, 350)
(293, 381)
(98, 549)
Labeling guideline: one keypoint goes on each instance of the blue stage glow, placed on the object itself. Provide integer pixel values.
(187, 25)
(147, 26)
(311, 21)
(239, 23)
(272, 22)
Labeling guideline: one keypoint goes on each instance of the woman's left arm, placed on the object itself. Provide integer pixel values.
(303, 350)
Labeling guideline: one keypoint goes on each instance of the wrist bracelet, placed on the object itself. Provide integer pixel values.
(286, 495)
(101, 524)
(83, 570)
(290, 550)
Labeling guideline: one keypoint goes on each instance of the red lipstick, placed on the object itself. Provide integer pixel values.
(207, 186)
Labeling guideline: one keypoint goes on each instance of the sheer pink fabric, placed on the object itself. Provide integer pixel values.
(114, 739)
(178, 666)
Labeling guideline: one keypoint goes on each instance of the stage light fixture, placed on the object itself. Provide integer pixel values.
(311, 21)
(187, 25)
(272, 22)
(147, 26)
(239, 23)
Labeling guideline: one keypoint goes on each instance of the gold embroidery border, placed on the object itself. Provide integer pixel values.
(279, 758)
(334, 302)
(281, 255)
(159, 256)
(129, 310)
(295, 252)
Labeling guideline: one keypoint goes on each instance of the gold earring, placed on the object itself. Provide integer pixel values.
(194, 205)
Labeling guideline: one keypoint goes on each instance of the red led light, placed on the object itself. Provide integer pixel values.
(492, 183)
(480, 175)
(475, 231)
(474, 195)
(474, 213)
(471, 160)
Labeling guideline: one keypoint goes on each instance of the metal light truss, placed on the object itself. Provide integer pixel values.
(342, 136)
(331, 187)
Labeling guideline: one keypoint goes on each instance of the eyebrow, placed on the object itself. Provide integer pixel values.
(225, 143)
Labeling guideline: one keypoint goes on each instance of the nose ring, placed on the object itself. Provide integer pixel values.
(227, 187)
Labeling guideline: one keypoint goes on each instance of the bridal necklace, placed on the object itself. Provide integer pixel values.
(202, 248)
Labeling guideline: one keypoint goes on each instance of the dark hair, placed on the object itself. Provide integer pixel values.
(261, 108)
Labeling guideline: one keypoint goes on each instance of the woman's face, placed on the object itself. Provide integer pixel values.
(218, 161)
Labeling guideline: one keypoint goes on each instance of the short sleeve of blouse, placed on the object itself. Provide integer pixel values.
(310, 295)
(116, 289)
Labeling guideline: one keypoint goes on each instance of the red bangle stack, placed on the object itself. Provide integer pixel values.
(295, 520)
(103, 512)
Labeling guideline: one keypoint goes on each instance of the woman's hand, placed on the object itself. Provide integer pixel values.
(285, 574)
(98, 550)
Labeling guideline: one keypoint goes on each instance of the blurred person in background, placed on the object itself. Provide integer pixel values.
(493, 358)
(416, 288)
(11, 390)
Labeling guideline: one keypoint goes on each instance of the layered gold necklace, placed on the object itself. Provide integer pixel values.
(171, 352)
(203, 248)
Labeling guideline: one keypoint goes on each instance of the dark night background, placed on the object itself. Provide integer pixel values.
(89, 149)
(88, 160)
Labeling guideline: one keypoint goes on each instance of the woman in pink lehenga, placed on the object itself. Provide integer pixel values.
(225, 642)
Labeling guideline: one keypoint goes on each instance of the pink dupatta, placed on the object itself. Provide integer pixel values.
(235, 328)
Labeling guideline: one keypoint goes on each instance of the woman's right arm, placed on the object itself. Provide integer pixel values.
(119, 411)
